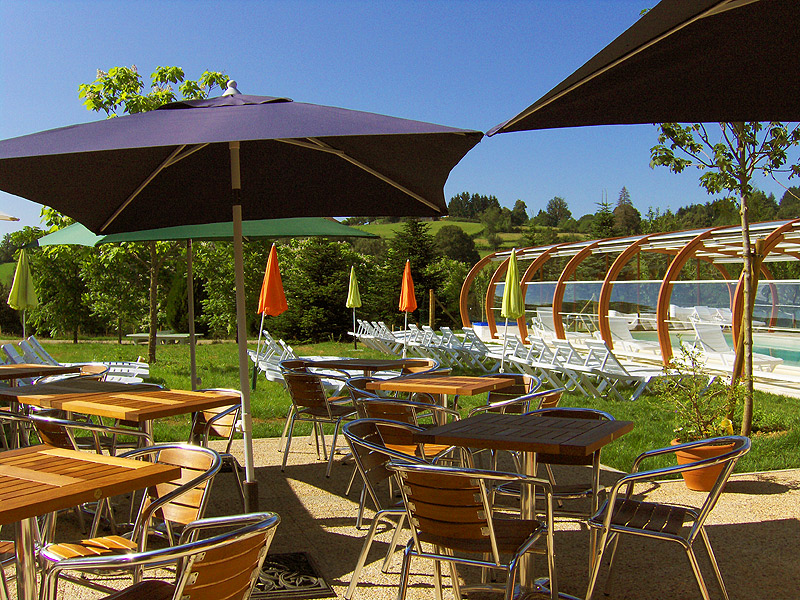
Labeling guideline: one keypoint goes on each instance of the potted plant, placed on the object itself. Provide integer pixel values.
(703, 406)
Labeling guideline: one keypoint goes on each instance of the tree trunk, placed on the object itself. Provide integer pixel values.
(749, 293)
(151, 341)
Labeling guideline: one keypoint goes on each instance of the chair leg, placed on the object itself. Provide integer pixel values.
(333, 447)
(393, 544)
(401, 590)
(362, 558)
(361, 504)
(714, 563)
(289, 418)
(604, 540)
(288, 442)
(697, 574)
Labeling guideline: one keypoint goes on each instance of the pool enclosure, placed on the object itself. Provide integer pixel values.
(650, 291)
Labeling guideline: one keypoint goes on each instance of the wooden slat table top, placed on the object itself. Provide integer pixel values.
(130, 402)
(40, 479)
(524, 433)
(450, 384)
(23, 370)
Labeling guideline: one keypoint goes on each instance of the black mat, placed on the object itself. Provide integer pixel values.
(293, 575)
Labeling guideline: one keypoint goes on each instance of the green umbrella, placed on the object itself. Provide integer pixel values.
(264, 228)
(353, 301)
(23, 294)
(513, 306)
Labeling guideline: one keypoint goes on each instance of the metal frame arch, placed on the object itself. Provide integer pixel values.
(537, 264)
(737, 306)
(465, 287)
(490, 320)
(665, 292)
(608, 285)
(561, 285)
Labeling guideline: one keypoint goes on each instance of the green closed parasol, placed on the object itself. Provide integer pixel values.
(513, 306)
(353, 301)
(23, 295)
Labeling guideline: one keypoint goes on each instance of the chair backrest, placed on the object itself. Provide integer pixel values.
(32, 356)
(570, 413)
(218, 558)
(219, 422)
(366, 438)
(450, 507)
(619, 329)
(601, 357)
(403, 411)
(546, 320)
(306, 390)
(82, 435)
(13, 354)
(357, 386)
(710, 336)
(523, 384)
(182, 500)
(421, 365)
(521, 404)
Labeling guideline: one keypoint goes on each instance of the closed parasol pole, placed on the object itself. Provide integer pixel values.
(354, 302)
(408, 302)
(23, 295)
(513, 306)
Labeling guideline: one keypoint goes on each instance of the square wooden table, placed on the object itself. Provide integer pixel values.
(527, 434)
(140, 403)
(41, 479)
(24, 370)
(442, 385)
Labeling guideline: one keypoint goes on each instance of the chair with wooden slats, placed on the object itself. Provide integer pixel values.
(176, 503)
(218, 558)
(310, 403)
(627, 509)
(366, 440)
(453, 522)
(221, 423)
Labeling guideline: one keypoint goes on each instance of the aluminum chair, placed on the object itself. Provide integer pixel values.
(220, 422)
(624, 513)
(366, 440)
(225, 565)
(177, 503)
(450, 512)
(310, 403)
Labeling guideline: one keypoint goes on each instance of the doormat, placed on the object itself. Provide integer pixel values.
(293, 575)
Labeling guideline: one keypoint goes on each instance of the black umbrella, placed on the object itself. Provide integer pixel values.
(190, 161)
(684, 61)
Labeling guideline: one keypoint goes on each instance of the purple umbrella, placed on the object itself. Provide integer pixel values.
(190, 162)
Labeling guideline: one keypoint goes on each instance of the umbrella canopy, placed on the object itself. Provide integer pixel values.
(264, 228)
(171, 166)
(685, 62)
(408, 301)
(513, 305)
(353, 295)
(270, 157)
(5, 217)
(272, 300)
(23, 294)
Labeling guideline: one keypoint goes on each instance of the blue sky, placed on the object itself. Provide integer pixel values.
(463, 63)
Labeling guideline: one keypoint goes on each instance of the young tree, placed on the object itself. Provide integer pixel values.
(627, 220)
(557, 211)
(729, 160)
(519, 214)
(456, 244)
(121, 91)
(603, 222)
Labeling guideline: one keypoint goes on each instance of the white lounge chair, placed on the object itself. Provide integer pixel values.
(623, 339)
(609, 367)
(545, 327)
(710, 340)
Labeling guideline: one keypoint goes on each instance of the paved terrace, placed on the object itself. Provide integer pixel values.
(754, 530)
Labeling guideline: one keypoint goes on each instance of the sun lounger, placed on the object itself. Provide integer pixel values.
(617, 374)
(710, 340)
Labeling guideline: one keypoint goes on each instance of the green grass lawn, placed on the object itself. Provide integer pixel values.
(776, 423)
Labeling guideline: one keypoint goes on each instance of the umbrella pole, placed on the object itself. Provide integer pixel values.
(405, 335)
(355, 337)
(258, 350)
(505, 341)
(24, 334)
(250, 484)
(190, 307)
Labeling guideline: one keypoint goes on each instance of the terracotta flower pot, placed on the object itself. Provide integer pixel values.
(701, 480)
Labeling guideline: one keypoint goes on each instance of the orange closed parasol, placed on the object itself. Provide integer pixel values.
(272, 300)
(408, 302)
